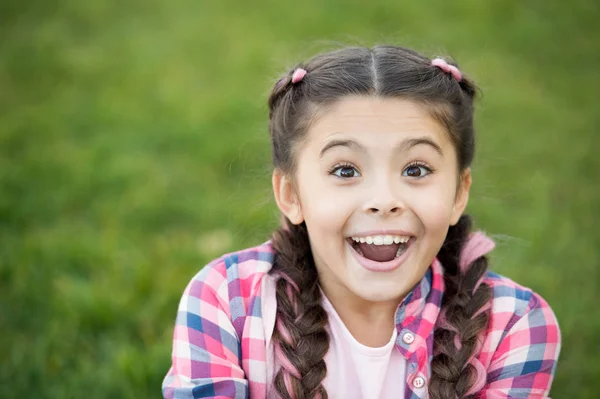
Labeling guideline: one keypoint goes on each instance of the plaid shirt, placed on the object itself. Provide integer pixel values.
(219, 348)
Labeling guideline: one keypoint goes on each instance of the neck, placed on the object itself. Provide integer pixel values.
(370, 322)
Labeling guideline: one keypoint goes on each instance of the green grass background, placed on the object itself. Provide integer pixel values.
(134, 149)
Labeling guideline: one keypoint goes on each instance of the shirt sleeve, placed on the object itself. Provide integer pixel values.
(206, 354)
(524, 363)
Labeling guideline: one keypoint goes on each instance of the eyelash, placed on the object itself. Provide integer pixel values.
(423, 165)
(342, 165)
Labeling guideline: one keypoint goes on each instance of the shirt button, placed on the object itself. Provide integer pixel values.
(408, 338)
(419, 382)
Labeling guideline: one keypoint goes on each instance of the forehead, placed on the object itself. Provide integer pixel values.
(363, 116)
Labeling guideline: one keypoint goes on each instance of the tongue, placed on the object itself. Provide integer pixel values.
(379, 253)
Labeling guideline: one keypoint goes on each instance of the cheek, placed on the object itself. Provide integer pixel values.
(322, 204)
(434, 208)
(438, 222)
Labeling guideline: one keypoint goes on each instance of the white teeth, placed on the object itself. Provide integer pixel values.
(399, 251)
(382, 240)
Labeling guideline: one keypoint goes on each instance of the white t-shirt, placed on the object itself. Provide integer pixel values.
(353, 370)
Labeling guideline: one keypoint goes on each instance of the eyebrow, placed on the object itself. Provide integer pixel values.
(410, 143)
(351, 144)
(402, 147)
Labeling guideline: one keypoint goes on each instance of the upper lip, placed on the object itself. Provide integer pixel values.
(403, 233)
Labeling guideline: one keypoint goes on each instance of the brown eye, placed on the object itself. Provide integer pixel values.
(346, 172)
(416, 171)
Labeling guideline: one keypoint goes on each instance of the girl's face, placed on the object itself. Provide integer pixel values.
(378, 185)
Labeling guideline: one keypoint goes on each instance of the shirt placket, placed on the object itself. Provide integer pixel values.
(417, 349)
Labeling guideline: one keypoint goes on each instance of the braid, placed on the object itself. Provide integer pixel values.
(463, 317)
(300, 339)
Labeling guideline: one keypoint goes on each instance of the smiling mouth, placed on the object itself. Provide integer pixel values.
(380, 248)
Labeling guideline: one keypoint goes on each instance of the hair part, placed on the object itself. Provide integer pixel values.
(300, 338)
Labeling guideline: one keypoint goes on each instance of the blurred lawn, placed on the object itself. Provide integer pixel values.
(134, 149)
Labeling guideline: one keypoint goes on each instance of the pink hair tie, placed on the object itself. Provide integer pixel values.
(444, 66)
(298, 75)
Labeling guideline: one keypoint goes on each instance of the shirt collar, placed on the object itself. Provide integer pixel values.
(418, 312)
(425, 295)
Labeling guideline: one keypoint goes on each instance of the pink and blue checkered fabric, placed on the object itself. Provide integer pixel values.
(219, 348)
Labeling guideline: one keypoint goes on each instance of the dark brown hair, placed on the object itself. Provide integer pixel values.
(300, 338)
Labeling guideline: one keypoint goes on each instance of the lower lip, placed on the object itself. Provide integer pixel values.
(380, 267)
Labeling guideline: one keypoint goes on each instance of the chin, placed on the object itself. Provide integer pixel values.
(380, 291)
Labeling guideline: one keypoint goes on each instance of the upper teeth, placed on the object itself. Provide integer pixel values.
(382, 240)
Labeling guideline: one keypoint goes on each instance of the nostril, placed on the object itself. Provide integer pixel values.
(377, 210)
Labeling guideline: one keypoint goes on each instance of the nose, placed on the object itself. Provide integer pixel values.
(383, 209)
(383, 200)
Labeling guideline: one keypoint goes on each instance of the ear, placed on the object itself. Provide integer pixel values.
(286, 198)
(462, 196)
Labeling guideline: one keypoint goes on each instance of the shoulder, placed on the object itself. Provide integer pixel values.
(235, 274)
(217, 331)
(227, 290)
(520, 318)
(511, 301)
(229, 285)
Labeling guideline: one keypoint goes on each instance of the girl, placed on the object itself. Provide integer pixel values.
(374, 287)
